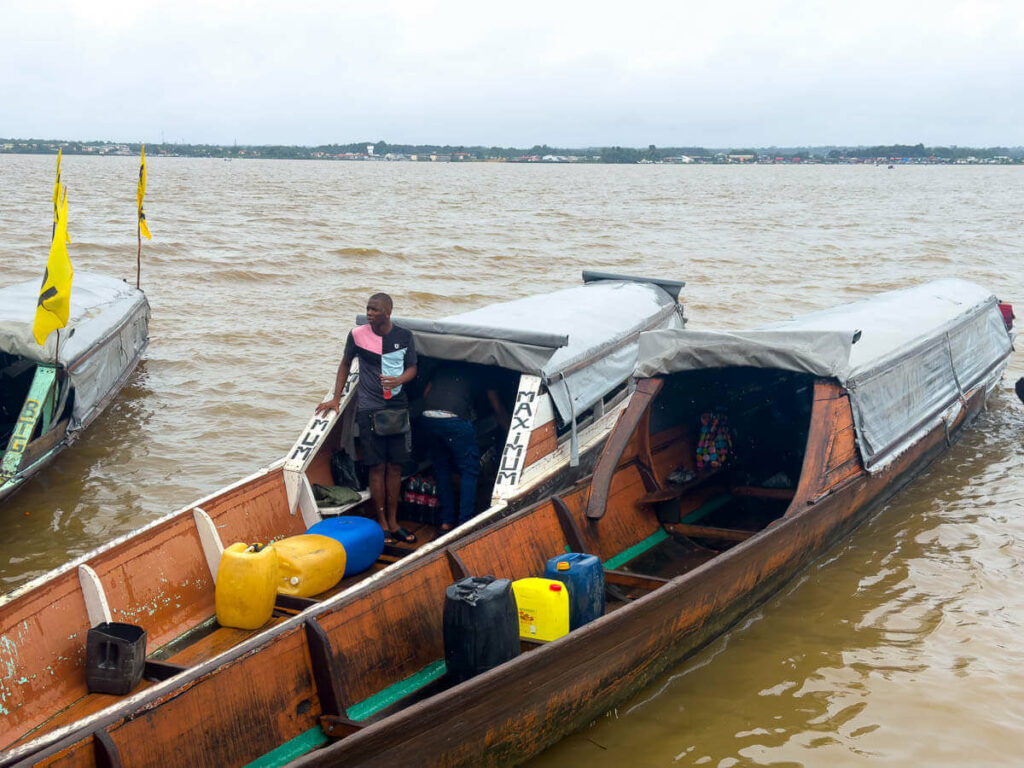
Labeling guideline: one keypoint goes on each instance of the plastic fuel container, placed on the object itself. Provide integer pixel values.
(543, 606)
(308, 564)
(246, 586)
(480, 626)
(584, 577)
(363, 539)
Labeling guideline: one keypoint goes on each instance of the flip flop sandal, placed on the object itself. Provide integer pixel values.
(404, 536)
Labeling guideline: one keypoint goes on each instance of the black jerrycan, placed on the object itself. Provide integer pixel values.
(481, 626)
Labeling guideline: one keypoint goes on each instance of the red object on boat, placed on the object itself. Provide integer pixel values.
(1007, 310)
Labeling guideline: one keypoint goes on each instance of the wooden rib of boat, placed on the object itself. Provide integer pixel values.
(50, 394)
(567, 387)
(361, 680)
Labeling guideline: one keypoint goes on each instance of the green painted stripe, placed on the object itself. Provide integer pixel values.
(636, 550)
(375, 703)
(707, 508)
(291, 750)
(315, 737)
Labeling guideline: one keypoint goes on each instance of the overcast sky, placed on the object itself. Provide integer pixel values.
(570, 74)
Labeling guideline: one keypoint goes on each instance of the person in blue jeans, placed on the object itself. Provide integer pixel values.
(448, 415)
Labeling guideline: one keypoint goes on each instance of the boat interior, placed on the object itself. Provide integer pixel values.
(663, 513)
(496, 389)
(15, 379)
(17, 375)
(764, 416)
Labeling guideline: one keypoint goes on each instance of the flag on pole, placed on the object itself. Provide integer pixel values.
(56, 194)
(143, 227)
(54, 306)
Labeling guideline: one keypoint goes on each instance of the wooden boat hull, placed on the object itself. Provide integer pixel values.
(515, 711)
(268, 694)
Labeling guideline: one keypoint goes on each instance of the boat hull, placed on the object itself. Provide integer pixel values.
(508, 714)
(270, 685)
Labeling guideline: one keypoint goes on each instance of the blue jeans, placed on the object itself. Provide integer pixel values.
(452, 443)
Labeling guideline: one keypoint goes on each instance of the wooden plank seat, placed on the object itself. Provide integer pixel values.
(756, 491)
(633, 580)
(673, 491)
(708, 532)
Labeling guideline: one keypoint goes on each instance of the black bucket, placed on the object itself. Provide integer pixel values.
(115, 657)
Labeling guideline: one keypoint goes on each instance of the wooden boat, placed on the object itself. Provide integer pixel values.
(49, 394)
(829, 416)
(564, 359)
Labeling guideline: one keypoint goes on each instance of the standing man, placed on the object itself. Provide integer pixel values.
(449, 412)
(387, 361)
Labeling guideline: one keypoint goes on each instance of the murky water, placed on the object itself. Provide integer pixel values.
(903, 647)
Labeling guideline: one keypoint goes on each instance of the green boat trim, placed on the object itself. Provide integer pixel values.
(371, 705)
(38, 404)
(636, 550)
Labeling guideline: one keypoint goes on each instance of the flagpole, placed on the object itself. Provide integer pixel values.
(56, 368)
(138, 258)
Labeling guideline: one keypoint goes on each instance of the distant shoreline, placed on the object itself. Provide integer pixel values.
(895, 154)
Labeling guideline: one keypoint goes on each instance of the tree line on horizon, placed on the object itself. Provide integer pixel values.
(612, 154)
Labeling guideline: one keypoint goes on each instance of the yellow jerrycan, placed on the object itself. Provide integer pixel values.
(308, 564)
(543, 606)
(246, 586)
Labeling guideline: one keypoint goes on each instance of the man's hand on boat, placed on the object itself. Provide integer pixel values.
(328, 405)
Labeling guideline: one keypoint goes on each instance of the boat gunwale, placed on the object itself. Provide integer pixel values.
(83, 559)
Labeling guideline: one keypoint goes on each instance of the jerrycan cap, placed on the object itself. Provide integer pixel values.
(562, 566)
(555, 587)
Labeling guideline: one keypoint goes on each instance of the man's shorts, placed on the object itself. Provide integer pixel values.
(393, 449)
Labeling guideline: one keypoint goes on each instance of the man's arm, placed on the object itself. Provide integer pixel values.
(339, 386)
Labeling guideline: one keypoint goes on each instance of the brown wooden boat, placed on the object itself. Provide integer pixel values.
(565, 389)
(827, 417)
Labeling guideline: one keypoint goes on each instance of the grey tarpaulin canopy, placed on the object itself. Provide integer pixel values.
(581, 341)
(904, 356)
(106, 331)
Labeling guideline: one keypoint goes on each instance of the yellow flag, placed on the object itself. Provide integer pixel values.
(143, 227)
(54, 306)
(56, 195)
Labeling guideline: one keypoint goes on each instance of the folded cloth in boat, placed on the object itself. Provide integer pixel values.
(334, 495)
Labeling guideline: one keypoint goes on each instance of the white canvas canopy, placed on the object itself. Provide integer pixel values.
(581, 341)
(106, 332)
(904, 356)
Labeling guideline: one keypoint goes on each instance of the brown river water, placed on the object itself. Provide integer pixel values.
(903, 646)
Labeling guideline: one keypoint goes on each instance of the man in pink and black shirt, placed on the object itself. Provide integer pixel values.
(387, 361)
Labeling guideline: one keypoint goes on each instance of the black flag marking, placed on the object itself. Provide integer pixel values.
(46, 295)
